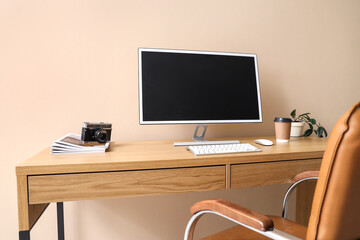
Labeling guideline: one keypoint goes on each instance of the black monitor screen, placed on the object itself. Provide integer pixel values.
(198, 87)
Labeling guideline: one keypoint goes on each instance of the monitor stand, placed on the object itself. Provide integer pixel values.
(200, 139)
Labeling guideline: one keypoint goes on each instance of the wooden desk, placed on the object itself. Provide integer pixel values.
(153, 167)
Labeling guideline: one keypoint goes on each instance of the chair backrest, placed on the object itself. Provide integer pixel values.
(335, 212)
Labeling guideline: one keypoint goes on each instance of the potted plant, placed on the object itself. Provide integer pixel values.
(299, 122)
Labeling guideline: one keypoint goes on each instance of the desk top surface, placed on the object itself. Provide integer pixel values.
(136, 155)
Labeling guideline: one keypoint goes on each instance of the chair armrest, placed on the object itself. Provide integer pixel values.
(235, 212)
(306, 174)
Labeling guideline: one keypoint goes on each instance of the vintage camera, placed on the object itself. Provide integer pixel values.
(100, 132)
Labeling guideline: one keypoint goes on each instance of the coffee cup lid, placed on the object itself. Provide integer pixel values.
(282, 119)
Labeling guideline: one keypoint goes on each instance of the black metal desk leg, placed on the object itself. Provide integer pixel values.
(60, 220)
(24, 235)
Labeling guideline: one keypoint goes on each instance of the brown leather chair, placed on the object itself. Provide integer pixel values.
(335, 212)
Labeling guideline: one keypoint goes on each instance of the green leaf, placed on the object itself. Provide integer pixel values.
(313, 121)
(307, 117)
(304, 114)
(308, 132)
(311, 126)
(320, 131)
(325, 132)
(293, 113)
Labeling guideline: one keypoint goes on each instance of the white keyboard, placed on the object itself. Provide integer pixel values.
(223, 148)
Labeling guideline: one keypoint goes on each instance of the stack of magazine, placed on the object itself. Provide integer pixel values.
(71, 143)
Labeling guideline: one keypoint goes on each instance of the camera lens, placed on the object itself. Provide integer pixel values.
(101, 136)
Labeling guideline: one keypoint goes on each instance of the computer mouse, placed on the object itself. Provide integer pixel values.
(264, 142)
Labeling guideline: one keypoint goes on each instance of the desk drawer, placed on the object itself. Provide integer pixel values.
(260, 174)
(70, 187)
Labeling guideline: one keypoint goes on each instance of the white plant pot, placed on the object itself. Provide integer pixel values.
(297, 129)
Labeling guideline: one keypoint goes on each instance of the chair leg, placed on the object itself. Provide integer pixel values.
(60, 220)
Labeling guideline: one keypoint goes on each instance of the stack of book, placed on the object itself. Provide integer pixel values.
(71, 143)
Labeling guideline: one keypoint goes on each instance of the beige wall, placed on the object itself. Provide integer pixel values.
(65, 62)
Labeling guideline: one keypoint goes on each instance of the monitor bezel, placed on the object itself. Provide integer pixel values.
(143, 122)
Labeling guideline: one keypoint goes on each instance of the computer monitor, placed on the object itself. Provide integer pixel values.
(198, 87)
